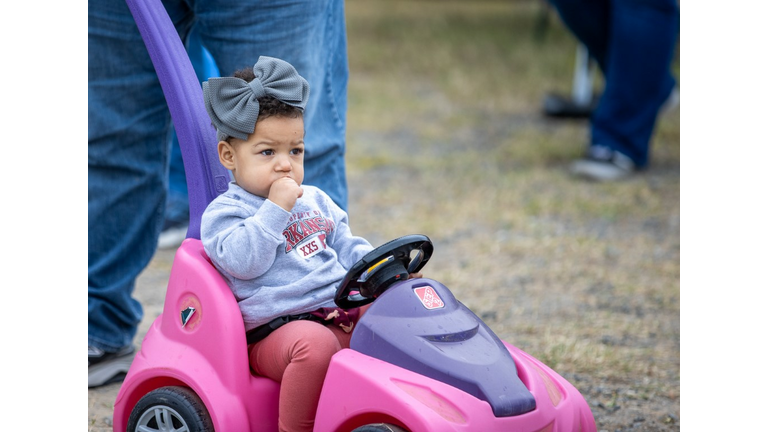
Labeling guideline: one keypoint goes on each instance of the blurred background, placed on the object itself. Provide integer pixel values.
(447, 137)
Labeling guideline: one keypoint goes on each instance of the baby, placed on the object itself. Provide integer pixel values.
(283, 247)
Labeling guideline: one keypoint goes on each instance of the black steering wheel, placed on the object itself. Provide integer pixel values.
(382, 267)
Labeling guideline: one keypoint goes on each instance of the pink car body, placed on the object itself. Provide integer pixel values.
(199, 342)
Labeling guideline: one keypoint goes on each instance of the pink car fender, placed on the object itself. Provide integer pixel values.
(359, 389)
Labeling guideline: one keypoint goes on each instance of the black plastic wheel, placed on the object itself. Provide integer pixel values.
(170, 409)
(379, 427)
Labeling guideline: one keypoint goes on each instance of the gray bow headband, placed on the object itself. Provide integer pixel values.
(232, 103)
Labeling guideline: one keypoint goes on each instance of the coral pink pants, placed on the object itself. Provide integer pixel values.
(297, 356)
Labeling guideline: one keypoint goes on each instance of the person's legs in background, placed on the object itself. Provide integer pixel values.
(128, 130)
(633, 42)
(177, 202)
(311, 35)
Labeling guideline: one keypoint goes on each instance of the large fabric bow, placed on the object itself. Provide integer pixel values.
(232, 103)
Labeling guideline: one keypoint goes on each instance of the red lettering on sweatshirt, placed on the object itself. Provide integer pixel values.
(302, 228)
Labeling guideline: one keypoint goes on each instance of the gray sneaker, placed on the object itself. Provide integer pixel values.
(172, 235)
(105, 368)
(603, 164)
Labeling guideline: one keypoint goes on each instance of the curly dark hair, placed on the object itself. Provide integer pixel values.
(269, 106)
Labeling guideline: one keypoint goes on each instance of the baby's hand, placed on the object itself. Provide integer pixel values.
(284, 192)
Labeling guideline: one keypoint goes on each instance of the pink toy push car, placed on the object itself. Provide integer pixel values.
(419, 361)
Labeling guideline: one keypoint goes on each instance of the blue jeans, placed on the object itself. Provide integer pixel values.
(633, 42)
(129, 127)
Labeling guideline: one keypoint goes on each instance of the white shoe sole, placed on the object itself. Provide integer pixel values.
(599, 171)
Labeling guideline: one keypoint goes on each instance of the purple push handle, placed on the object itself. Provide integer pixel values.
(206, 177)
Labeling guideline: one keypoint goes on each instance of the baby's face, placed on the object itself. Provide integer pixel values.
(273, 151)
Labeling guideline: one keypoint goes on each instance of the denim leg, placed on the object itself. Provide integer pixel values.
(311, 35)
(588, 20)
(633, 42)
(638, 78)
(128, 143)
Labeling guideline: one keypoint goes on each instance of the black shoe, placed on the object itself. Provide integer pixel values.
(105, 368)
(379, 427)
(560, 106)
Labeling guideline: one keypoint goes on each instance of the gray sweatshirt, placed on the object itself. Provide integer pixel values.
(277, 262)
